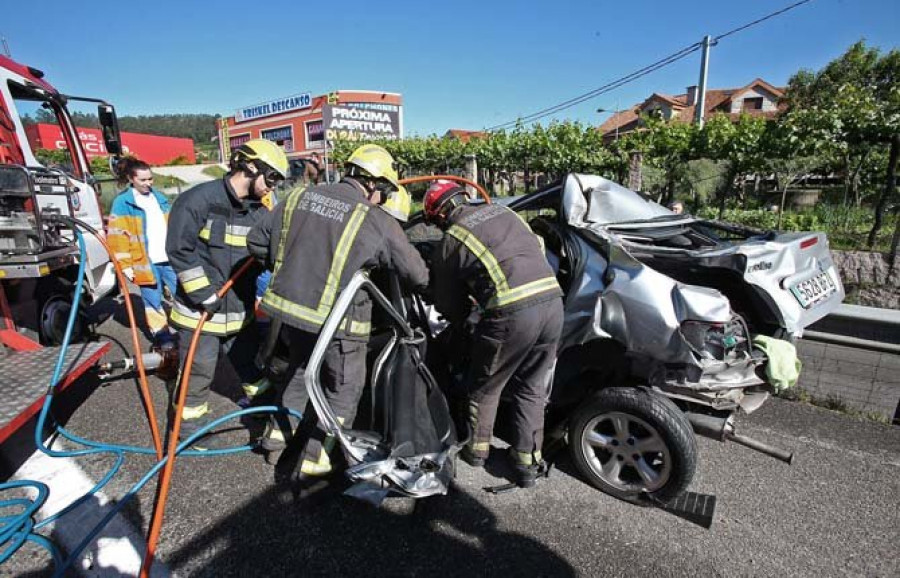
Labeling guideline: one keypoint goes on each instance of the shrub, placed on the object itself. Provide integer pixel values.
(166, 181)
(177, 161)
(767, 220)
(214, 171)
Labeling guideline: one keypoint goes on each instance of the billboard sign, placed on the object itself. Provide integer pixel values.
(278, 106)
(152, 149)
(362, 121)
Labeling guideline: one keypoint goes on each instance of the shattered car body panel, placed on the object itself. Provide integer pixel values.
(412, 454)
(774, 265)
(679, 297)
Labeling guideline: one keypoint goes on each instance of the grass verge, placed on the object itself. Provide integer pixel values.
(832, 402)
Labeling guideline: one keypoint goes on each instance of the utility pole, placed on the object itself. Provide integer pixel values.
(704, 69)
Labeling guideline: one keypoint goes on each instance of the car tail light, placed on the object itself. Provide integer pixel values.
(807, 243)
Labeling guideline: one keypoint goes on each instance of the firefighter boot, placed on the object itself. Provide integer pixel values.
(526, 467)
(468, 455)
(193, 419)
(274, 440)
(254, 395)
(314, 476)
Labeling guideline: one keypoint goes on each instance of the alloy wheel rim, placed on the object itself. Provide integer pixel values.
(626, 452)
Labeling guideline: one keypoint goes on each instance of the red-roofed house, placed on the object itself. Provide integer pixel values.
(463, 135)
(759, 98)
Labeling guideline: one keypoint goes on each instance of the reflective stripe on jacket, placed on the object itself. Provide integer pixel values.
(126, 233)
(207, 243)
(315, 241)
(490, 253)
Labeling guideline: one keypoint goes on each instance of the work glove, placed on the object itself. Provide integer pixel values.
(129, 273)
(211, 304)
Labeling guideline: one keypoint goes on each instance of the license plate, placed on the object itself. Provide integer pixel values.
(814, 289)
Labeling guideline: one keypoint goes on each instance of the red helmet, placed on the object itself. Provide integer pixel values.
(440, 198)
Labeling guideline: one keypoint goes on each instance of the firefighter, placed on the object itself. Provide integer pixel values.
(207, 243)
(489, 254)
(314, 242)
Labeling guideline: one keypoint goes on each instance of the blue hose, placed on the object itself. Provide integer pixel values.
(15, 529)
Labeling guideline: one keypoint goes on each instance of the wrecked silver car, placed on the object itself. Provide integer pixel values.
(672, 304)
(662, 314)
(686, 294)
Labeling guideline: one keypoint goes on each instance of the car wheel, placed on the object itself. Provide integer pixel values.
(633, 443)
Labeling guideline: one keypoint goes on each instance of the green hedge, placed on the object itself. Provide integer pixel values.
(762, 219)
(847, 227)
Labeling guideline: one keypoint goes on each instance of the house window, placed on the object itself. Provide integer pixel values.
(283, 136)
(315, 134)
(755, 103)
(237, 140)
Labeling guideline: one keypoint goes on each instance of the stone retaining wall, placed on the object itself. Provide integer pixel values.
(868, 278)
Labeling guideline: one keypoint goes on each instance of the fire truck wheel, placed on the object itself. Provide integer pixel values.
(54, 317)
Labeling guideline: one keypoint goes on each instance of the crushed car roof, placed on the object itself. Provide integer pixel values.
(593, 199)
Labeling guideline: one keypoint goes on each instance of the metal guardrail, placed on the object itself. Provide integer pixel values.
(858, 326)
(862, 313)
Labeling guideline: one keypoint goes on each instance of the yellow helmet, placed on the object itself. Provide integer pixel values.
(375, 162)
(398, 204)
(264, 151)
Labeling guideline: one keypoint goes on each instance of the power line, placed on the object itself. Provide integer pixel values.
(670, 59)
(758, 20)
(605, 88)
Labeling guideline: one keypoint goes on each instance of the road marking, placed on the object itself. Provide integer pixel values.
(118, 549)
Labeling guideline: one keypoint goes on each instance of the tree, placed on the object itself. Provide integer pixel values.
(788, 157)
(702, 178)
(669, 146)
(736, 143)
(887, 82)
(851, 108)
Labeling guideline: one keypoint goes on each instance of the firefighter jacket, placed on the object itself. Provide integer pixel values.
(207, 243)
(490, 254)
(127, 234)
(315, 241)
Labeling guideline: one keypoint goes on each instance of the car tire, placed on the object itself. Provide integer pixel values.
(633, 443)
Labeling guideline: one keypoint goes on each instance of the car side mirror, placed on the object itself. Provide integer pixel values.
(109, 123)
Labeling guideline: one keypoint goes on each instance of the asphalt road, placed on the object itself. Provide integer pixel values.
(834, 512)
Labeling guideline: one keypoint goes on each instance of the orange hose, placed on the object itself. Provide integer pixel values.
(162, 494)
(484, 194)
(136, 343)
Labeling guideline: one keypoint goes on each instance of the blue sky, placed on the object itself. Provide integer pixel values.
(466, 64)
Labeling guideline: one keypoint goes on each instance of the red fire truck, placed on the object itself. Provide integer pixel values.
(38, 253)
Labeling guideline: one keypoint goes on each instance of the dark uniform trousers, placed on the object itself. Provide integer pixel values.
(517, 347)
(240, 348)
(343, 378)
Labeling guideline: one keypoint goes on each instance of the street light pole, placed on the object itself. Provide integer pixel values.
(615, 114)
(617, 122)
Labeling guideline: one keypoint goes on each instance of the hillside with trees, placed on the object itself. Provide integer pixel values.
(200, 127)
